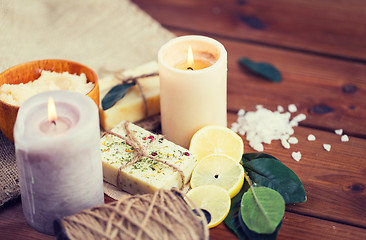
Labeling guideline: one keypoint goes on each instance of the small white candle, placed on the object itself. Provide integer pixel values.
(192, 94)
(59, 161)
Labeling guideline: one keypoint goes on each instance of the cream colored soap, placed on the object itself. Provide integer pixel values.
(131, 107)
(146, 175)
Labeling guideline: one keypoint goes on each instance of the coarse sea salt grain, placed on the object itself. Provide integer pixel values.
(285, 144)
(292, 108)
(327, 147)
(241, 112)
(296, 156)
(293, 140)
(311, 137)
(338, 131)
(280, 108)
(344, 138)
(264, 126)
(298, 118)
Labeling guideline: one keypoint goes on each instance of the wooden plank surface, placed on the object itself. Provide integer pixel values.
(320, 49)
(326, 27)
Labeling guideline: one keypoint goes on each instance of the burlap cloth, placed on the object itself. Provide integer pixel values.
(110, 34)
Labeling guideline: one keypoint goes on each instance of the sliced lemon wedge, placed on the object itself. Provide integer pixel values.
(214, 139)
(220, 170)
(213, 199)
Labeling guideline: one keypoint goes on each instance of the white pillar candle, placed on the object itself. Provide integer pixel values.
(59, 162)
(191, 99)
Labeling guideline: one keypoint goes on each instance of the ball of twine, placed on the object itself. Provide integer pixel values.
(162, 215)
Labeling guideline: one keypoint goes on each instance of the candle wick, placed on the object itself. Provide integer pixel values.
(189, 68)
(53, 122)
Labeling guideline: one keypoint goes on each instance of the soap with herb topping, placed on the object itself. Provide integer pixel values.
(146, 175)
(131, 107)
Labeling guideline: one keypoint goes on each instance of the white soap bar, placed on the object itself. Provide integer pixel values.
(146, 175)
(131, 107)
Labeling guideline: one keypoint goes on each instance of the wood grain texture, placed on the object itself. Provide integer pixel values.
(298, 227)
(324, 27)
(13, 225)
(320, 49)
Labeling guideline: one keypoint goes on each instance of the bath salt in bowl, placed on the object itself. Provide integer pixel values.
(20, 82)
(16, 94)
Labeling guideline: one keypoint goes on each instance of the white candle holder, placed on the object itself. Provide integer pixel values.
(191, 99)
(59, 174)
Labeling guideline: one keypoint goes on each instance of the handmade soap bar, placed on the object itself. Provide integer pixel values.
(131, 107)
(160, 164)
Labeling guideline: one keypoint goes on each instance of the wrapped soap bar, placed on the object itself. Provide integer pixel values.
(137, 161)
(132, 106)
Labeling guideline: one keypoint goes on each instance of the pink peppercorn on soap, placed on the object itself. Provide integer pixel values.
(137, 161)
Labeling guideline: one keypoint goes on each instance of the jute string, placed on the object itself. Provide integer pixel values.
(142, 151)
(162, 215)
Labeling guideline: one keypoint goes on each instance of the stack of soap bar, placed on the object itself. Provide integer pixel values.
(146, 175)
(131, 107)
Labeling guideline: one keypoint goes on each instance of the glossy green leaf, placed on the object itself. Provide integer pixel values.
(251, 156)
(263, 69)
(235, 222)
(257, 236)
(262, 209)
(232, 220)
(115, 94)
(266, 170)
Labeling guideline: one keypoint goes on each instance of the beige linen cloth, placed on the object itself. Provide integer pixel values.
(109, 34)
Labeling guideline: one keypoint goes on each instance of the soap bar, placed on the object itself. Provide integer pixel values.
(131, 107)
(146, 175)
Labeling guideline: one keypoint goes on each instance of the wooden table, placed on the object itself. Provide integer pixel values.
(320, 49)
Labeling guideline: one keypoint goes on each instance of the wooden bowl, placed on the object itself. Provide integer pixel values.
(30, 71)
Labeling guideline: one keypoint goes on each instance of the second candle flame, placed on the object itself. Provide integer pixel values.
(190, 59)
(52, 114)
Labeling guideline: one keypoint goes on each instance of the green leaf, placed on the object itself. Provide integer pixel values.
(232, 220)
(115, 94)
(262, 209)
(263, 69)
(250, 156)
(265, 170)
(257, 236)
(235, 222)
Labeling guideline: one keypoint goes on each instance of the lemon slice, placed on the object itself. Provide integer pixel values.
(220, 170)
(213, 199)
(214, 139)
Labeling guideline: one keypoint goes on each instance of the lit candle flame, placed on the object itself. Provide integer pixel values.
(190, 59)
(52, 115)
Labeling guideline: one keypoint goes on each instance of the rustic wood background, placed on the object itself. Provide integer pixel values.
(320, 49)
